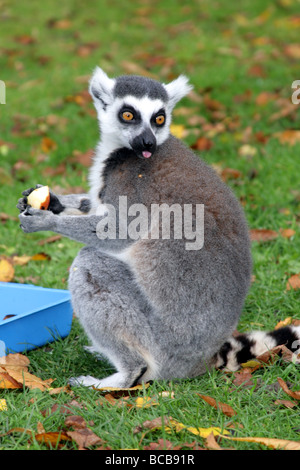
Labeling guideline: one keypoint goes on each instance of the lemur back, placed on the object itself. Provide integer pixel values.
(157, 307)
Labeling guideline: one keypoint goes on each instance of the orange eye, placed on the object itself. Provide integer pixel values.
(127, 116)
(160, 120)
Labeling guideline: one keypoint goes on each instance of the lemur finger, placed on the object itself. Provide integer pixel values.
(22, 204)
(28, 191)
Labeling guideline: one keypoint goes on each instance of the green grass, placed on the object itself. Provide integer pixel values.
(217, 44)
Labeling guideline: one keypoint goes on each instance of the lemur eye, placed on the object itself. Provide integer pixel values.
(127, 116)
(160, 119)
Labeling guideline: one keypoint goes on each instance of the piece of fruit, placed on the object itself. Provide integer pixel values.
(39, 198)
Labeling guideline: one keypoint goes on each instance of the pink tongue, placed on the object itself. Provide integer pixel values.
(147, 154)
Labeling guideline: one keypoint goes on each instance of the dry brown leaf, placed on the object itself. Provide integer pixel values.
(243, 378)
(47, 145)
(202, 144)
(270, 355)
(211, 443)
(82, 435)
(161, 444)
(7, 271)
(155, 423)
(21, 260)
(14, 374)
(286, 403)
(52, 239)
(4, 217)
(7, 382)
(29, 380)
(52, 439)
(292, 51)
(226, 409)
(17, 359)
(289, 136)
(285, 388)
(262, 235)
(230, 173)
(287, 232)
(293, 282)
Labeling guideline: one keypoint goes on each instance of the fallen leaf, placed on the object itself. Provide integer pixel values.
(280, 350)
(117, 392)
(292, 50)
(293, 282)
(14, 374)
(230, 173)
(178, 130)
(145, 402)
(5, 217)
(21, 260)
(63, 24)
(285, 388)
(7, 271)
(52, 239)
(282, 444)
(202, 144)
(289, 136)
(47, 145)
(286, 403)
(287, 232)
(262, 235)
(153, 424)
(82, 435)
(226, 409)
(41, 257)
(52, 439)
(84, 158)
(161, 444)
(243, 378)
(257, 70)
(247, 150)
(3, 404)
(287, 321)
(211, 442)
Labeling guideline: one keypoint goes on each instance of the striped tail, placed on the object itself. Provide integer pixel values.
(242, 348)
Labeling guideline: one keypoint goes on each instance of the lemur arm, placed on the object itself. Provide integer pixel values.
(82, 229)
(70, 204)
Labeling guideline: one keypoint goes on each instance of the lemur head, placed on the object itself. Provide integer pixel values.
(135, 112)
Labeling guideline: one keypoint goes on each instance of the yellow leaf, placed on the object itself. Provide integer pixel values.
(251, 363)
(7, 271)
(3, 404)
(145, 402)
(269, 442)
(285, 322)
(202, 432)
(21, 260)
(117, 389)
(177, 130)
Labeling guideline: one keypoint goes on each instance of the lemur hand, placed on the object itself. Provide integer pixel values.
(55, 205)
(35, 220)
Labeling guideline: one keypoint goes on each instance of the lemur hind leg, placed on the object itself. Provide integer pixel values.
(110, 307)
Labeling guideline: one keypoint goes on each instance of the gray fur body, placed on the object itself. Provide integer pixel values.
(153, 308)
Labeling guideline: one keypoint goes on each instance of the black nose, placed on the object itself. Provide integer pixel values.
(148, 144)
(145, 141)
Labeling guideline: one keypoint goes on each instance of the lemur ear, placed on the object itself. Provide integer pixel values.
(177, 89)
(101, 87)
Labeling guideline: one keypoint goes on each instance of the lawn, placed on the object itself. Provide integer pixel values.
(242, 59)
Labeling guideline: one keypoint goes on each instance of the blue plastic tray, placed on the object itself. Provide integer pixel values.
(40, 316)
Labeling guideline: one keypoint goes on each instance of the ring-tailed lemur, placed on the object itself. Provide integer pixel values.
(154, 308)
